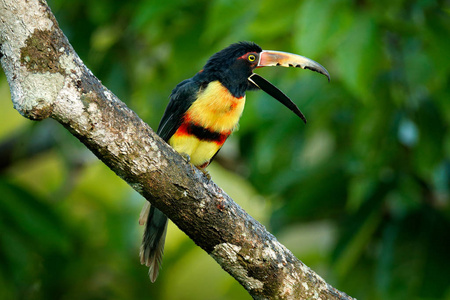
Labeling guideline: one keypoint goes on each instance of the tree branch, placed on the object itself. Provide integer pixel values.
(48, 79)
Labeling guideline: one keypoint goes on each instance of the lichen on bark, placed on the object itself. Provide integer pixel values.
(42, 51)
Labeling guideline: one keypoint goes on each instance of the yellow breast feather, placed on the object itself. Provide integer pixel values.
(216, 109)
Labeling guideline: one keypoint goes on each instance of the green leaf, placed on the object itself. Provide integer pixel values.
(358, 56)
(29, 217)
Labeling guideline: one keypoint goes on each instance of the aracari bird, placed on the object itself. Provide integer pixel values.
(202, 113)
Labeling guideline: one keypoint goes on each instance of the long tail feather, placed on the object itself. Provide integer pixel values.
(144, 213)
(152, 247)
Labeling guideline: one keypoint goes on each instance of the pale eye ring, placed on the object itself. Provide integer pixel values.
(251, 58)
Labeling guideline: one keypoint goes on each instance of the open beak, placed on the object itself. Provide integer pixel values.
(284, 59)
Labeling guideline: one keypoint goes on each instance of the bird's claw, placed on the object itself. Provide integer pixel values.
(205, 173)
(186, 157)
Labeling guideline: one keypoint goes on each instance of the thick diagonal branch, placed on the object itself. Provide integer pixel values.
(48, 79)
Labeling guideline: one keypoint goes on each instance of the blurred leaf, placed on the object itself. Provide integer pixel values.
(358, 56)
(320, 28)
(27, 214)
(30, 229)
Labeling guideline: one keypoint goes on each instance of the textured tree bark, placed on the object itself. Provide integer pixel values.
(48, 80)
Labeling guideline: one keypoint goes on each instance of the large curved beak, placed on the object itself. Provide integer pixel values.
(284, 59)
(269, 58)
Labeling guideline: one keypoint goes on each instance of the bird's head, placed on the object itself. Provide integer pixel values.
(234, 66)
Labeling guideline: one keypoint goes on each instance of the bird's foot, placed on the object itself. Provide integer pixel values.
(205, 173)
(201, 167)
(186, 157)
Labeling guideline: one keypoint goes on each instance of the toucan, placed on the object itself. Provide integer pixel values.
(202, 113)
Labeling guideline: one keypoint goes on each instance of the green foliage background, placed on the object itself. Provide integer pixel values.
(360, 194)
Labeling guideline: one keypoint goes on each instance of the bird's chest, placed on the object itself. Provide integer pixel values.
(207, 123)
(216, 108)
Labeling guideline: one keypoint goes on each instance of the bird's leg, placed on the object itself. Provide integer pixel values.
(186, 157)
(204, 172)
(201, 167)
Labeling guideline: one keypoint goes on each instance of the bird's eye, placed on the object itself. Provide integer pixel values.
(251, 58)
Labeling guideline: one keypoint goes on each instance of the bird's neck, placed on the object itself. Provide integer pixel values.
(235, 87)
(235, 82)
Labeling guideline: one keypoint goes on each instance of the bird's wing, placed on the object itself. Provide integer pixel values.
(181, 98)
